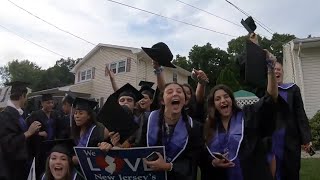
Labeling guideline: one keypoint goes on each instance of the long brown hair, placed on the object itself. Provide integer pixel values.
(161, 114)
(213, 114)
(49, 175)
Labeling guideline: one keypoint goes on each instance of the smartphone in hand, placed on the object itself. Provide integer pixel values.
(152, 157)
(219, 156)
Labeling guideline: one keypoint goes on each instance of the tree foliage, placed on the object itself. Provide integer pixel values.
(315, 130)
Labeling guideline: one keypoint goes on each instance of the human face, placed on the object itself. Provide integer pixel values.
(59, 165)
(145, 103)
(127, 101)
(223, 103)
(81, 117)
(174, 98)
(48, 105)
(66, 107)
(188, 94)
(278, 71)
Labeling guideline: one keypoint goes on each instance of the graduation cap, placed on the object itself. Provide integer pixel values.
(64, 146)
(18, 86)
(155, 103)
(46, 97)
(146, 86)
(117, 119)
(161, 53)
(253, 68)
(84, 104)
(249, 24)
(129, 90)
(69, 98)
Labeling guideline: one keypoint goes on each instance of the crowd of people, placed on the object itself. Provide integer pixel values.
(211, 133)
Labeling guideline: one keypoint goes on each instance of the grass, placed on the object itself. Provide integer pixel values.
(310, 169)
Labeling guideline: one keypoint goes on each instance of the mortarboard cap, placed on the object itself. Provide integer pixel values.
(69, 98)
(249, 24)
(18, 86)
(64, 146)
(117, 118)
(161, 53)
(156, 100)
(84, 104)
(146, 86)
(128, 90)
(46, 97)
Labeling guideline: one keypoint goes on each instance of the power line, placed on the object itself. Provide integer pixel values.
(172, 19)
(209, 13)
(32, 42)
(65, 31)
(257, 21)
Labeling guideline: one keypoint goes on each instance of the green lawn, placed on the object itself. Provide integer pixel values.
(310, 169)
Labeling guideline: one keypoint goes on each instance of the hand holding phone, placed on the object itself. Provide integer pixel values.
(152, 157)
(220, 156)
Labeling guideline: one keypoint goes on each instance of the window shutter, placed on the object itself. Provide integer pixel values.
(93, 72)
(78, 76)
(128, 64)
(105, 70)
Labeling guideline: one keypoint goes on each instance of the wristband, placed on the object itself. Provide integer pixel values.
(158, 70)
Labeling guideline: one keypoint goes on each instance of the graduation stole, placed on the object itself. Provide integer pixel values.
(74, 176)
(234, 138)
(174, 145)
(84, 140)
(23, 124)
(283, 90)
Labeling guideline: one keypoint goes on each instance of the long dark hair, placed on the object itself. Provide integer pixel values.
(49, 175)
(161, 115)
(76, 129)
(213, 114)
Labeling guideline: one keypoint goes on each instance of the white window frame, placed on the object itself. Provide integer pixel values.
(117, 66)
(86, 75)
(174, 76)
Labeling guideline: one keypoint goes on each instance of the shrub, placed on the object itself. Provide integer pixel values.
(315, 130)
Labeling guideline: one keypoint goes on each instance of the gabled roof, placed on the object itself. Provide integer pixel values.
(95, 49)
(304, 43)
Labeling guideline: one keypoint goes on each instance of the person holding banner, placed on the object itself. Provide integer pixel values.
(238, 140)
(173, 128)
(86, 131)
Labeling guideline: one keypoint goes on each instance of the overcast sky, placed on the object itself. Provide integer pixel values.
(101, 21)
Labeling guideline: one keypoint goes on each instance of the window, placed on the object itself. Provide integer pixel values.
(175, 77)
(86, 75)
(118, 67)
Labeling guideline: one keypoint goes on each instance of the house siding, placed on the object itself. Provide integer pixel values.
(310, 63)
(100, 86)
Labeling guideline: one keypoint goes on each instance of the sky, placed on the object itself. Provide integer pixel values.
(101, 21)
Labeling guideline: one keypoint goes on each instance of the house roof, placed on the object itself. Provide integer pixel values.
(305, 43)
(95, 49)
(137, 51)
(244, 94)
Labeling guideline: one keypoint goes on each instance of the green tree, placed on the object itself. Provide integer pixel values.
(315, 130)
(210, 60)
(182, 62)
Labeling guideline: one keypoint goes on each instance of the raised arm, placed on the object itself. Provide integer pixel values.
(202, 79)
(112, 79)
(160, 75)
(272, 87)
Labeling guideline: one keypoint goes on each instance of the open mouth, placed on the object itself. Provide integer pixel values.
(224, 107)
(58, 169)
(175, 102)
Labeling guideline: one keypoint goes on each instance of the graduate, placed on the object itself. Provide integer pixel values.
(238, 140)
(15, 134)
(293, 131)
(59, 163)
(86, 131)
(127, 97)
(170, 126)
(64, 125)
(49, 120)
(144, 105)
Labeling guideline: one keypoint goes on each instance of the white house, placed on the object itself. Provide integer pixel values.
(301, 63)
(130, 65)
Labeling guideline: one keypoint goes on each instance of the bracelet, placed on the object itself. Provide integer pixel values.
(158, 70)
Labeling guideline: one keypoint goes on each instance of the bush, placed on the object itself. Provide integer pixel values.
(315, 130)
